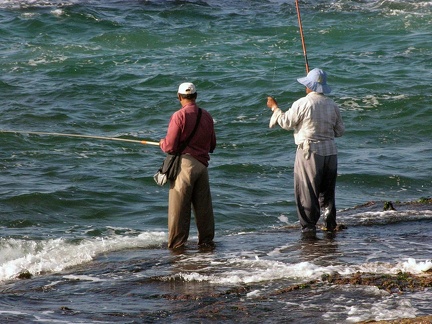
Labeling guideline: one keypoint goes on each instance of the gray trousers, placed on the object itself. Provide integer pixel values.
(190, 189)
(314, 189)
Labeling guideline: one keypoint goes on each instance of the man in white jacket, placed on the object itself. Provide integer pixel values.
(316, 121)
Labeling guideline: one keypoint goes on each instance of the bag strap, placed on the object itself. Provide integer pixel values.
(185, 143)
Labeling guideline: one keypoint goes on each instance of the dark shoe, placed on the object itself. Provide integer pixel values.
(308, 233)
(206, 246)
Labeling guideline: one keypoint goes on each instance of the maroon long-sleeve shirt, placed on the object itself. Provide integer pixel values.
(181, 125)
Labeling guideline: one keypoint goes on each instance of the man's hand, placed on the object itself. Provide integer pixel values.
(271, 103)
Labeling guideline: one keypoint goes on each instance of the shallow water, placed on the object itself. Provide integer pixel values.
(85, 218)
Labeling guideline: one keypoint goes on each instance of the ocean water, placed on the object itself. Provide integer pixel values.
(84, 217)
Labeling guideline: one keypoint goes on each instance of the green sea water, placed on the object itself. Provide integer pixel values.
(112, 68)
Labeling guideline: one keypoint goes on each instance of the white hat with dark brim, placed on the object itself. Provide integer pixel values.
(316, 80)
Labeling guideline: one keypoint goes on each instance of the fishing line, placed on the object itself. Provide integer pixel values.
(83, 136)
(302, 36)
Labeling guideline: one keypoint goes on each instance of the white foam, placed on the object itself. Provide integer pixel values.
(11, 312)
(283, 219)
(253, 294)
(241, 271)
(83, 278)
(387, 217)
(57, 12)
(35, 3)
(417, 267)
(390, 308)
(54, 255)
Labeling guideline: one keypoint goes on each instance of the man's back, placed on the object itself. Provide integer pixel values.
(320, 118)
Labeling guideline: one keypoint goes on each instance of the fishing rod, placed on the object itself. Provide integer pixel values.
(302, 36)
(83, 136)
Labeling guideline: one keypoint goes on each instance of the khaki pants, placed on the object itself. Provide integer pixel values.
(314, 189)
(190, 189)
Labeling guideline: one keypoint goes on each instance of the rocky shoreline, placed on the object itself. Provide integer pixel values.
(417, 320)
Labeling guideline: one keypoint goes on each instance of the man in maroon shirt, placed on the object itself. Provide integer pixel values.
(191, 187)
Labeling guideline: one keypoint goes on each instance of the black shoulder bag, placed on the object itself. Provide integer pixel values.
(171, 165)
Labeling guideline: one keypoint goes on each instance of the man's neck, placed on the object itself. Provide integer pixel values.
(185, 102)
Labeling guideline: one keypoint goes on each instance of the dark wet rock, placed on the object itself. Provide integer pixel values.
(422, 203)
(399, 283)
(417, 320)
(25, 275)
(388, 205)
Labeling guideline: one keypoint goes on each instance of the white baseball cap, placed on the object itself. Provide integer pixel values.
(186, 88)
